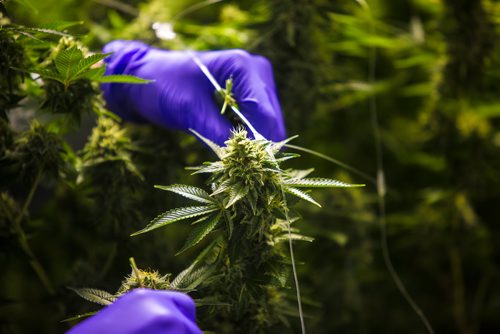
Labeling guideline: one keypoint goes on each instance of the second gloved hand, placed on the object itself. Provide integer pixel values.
(144, 311)
(181, 97)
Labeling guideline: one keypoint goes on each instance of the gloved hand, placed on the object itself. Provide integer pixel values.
(144, 311)
(182, 97)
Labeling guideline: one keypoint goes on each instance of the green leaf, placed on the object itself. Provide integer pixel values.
(94, 73)
(197, 277)
(95, 296)
(177, 282)
(47, 31)
(194, 193)
(44, 73)
(213, 167)
(302, 195)
(299, 173)
(66, 60)
(210, 254)
(175, 215)
(27, 4)
(210, 301)
(317, 182)
(219, 151)
(293, 236)
(276, 147)
(21, 29)
(49, 75)
(86, 63)
(222, 187)
(287, 156)
(189, 278)
(123, 78)
(201, 231)
(79, 316)
(236, 193)
(280, 274)
(60, 25)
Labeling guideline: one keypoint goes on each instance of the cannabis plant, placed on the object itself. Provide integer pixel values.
(247, 212)
(186, 281)
(45, 70)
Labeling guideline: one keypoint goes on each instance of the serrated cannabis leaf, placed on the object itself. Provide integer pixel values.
(45, 74)
(67, 60)
(213, 146)
(222, 187)
(198, 276)
(94, 73)
(71, 65)
(210, 168)
(300, 194)
(201, 231)
(280, 274)
(293, 236)
(194, 193)
(276, 147)
(96, 296)
(177, 282)
(287, 156)
(317, 182)
(237, 192)
(85, 64)
(175, 215)
(22, 29)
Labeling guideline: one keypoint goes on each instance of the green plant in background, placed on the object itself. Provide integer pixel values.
(48, 79)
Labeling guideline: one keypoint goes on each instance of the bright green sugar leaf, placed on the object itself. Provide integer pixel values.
(94, 74)
(86, 63)
(67, 60)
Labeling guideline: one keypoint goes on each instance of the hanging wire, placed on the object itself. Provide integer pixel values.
(381, 184)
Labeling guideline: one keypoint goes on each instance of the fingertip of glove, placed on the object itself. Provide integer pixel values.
(121, 44)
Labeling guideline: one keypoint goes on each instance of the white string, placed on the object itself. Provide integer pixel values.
(214, 82)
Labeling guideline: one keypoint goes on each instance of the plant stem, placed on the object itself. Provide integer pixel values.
(136, 271)
(23, 240)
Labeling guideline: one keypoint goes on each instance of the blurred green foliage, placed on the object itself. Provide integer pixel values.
(437, 78)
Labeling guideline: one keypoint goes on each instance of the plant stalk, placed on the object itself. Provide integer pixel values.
(23, 240)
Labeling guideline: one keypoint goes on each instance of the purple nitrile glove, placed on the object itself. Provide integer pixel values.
(181, 96)
(144, 311)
